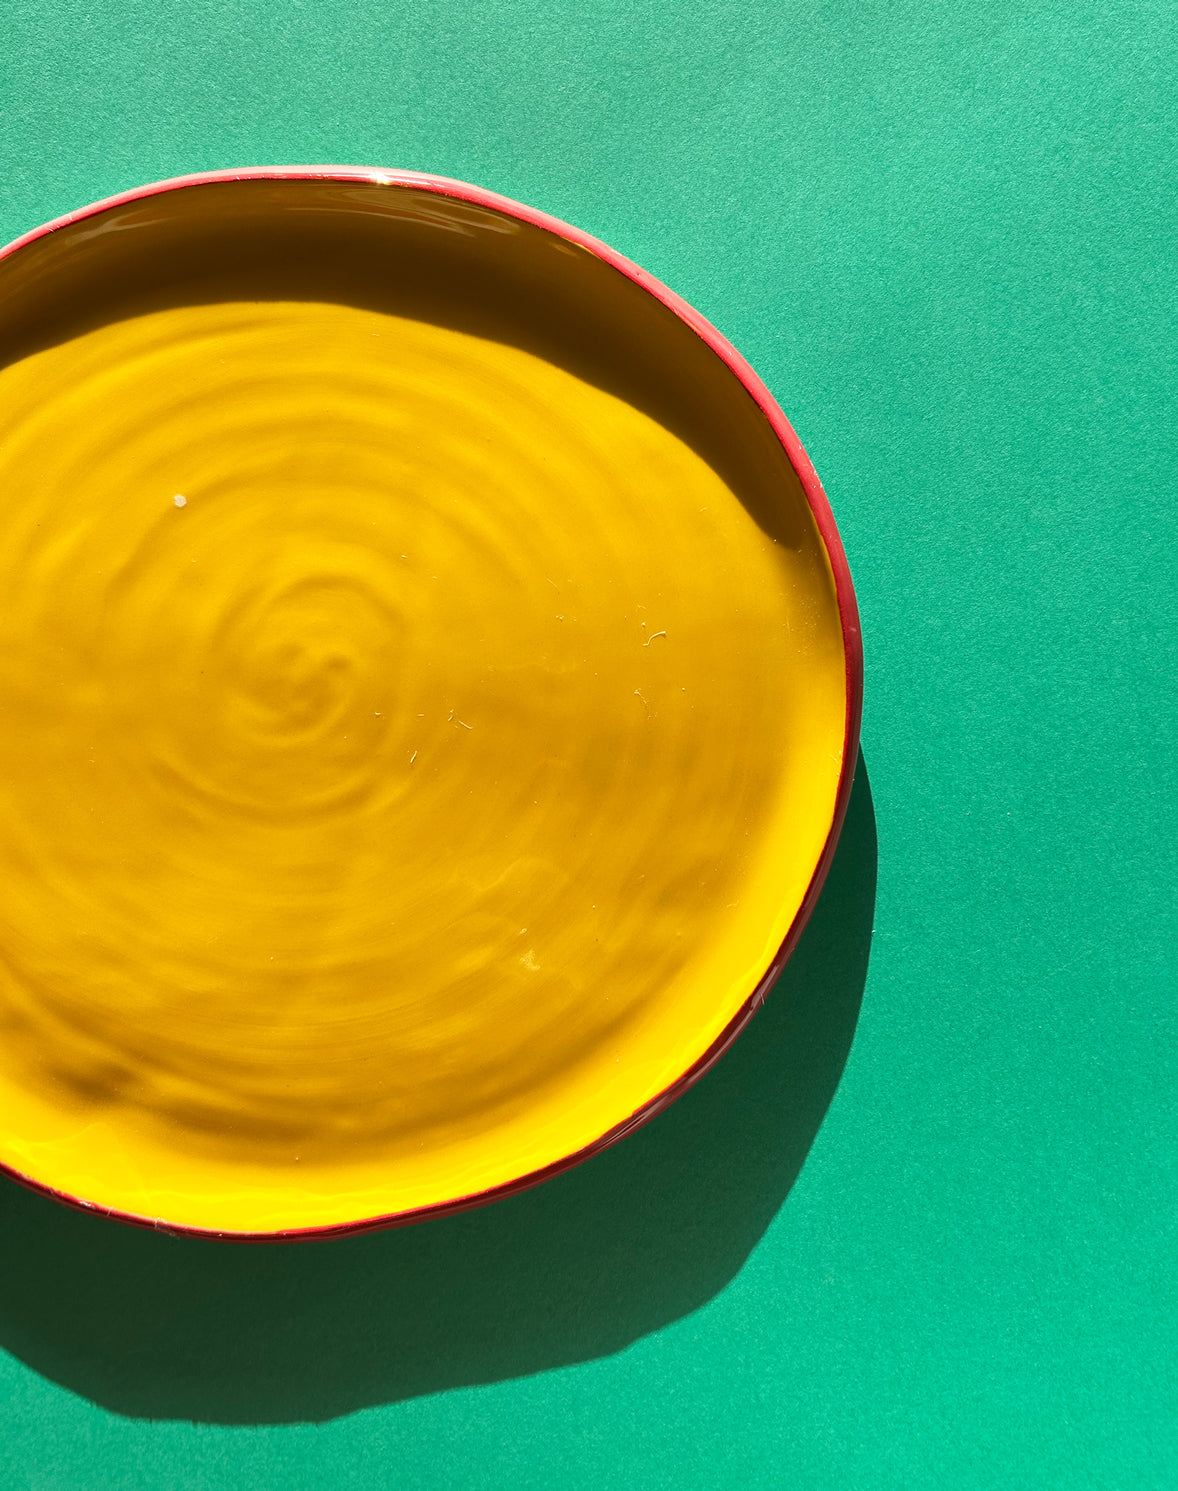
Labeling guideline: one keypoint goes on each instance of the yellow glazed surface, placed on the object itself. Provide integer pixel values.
(412, 754)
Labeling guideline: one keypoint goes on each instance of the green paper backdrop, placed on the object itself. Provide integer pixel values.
(945, 236)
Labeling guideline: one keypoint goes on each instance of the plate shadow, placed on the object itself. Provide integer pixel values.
(151, 1326)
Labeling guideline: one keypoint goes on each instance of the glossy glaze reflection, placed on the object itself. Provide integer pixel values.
(412, 801)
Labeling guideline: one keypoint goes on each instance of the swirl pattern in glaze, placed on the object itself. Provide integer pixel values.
(406, 805)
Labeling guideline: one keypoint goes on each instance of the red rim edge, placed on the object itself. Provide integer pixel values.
(852, 648)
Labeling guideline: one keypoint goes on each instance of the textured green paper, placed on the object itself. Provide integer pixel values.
(945, 236)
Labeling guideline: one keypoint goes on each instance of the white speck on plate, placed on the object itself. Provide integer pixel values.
(180, 500)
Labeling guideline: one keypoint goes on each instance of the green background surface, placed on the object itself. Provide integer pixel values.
(945, 236)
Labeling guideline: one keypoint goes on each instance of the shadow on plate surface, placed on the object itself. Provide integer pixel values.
(637, 1237)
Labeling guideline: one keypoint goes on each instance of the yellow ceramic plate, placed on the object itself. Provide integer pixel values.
(429, 686)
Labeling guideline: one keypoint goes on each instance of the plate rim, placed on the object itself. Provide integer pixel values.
(819, 505)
